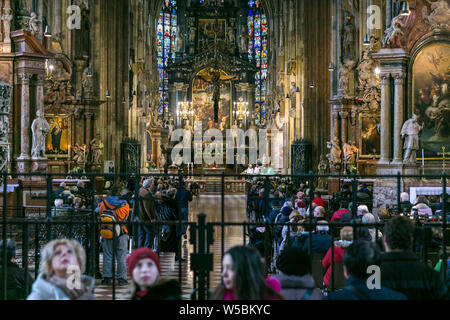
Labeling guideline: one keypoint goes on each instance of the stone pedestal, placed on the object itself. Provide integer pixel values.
(39, 165)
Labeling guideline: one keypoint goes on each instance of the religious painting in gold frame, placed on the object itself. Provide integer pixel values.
(431, 98)
(57, 140)
(203, 104)
(369, 138)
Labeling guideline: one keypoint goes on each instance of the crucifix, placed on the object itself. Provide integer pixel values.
(216, 78)
(443, 154)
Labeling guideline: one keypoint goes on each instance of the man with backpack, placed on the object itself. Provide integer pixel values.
(114, 214)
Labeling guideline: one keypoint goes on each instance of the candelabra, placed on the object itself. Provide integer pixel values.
(185, 111)
(240, 110)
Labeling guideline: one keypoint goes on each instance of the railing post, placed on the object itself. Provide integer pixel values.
(93, 240)
(354, 197)
(444, 226)
(223, 215)
(49, 207)
(266, 196)
(201, 251)
(399, 181)
(4, 258)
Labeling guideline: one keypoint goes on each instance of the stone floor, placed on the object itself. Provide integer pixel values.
(211, 206)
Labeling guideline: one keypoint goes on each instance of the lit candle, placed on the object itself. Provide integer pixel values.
(423, 159)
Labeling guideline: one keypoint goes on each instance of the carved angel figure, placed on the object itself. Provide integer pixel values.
(80, 153)
(393, 34)
(34, 25)
(334, 157)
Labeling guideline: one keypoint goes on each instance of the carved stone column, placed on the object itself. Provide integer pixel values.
(344, 126)
(40, 93)
(24, 158)
(79, 67)
(385, 118)
(173, 99)
(177, 94)
(88, 128)
(399, 102)
(156, 145)
(251, 100)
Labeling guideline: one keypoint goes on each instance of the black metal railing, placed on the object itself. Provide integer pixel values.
(34, 226)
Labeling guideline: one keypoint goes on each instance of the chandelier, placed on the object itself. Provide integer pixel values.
(240, 111)
(185, 110)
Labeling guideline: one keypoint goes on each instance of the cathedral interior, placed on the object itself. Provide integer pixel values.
(336, 80)
(339, 87)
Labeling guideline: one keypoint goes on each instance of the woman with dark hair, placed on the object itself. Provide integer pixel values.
(243, 277)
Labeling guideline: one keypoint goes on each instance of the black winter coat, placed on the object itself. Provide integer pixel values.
(16, 276)
(165, 289)
(403, 272)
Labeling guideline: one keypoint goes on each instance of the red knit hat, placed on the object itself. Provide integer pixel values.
(301, 204)
(319, 201)
(139, 254)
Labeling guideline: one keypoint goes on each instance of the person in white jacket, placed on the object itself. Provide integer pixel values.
(61, 273)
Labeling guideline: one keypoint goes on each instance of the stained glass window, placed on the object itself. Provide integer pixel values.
(257, 52)
(166, 35)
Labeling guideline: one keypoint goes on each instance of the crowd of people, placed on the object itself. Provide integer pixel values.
(306, 224)
(243, 275)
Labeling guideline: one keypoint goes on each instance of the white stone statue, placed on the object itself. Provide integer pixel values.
(34, 25)
(6, 18)
(349, 150)
(243, 41)
(40, 128)
(162, 161)
(411, 130)
(231, 36)
(80, 153)
(87, 82)
(392, 35)
(96, 149)
(334, 157)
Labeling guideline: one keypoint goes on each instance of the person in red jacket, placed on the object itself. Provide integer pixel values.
(339, 249)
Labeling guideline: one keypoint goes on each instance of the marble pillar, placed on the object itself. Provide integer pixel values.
(23, 160)
(344, 126)
(156, 145)
(399, 102)
(385, 118)
(173, 92)
(40, 93)
(79, 67)
(179, 96)
(88, 128)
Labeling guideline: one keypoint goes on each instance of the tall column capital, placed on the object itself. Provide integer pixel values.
(344, 114)
(40, 80)
(384, 78)
(399, 78)
(23, 78)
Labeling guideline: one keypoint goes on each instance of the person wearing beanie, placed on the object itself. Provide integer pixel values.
(295, 277)
(144, 269)
(319, 202)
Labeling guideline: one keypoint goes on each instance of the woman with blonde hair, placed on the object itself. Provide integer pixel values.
(61, 271)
